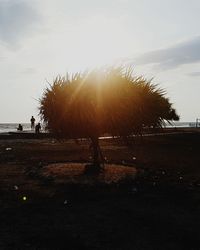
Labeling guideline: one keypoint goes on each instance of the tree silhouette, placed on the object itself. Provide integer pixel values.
(108, 101)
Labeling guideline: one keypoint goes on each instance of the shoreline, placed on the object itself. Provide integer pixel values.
(28, 134)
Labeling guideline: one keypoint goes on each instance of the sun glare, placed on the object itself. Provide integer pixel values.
(99, 43)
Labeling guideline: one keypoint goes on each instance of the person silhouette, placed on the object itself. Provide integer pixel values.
(32, 122)
(37, 128)
(20, 127)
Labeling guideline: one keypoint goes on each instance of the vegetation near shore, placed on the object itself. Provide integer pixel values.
(110, 101)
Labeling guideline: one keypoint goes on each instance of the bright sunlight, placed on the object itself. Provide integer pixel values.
(98, 42)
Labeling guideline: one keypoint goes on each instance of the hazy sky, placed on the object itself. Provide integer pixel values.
(40, 39)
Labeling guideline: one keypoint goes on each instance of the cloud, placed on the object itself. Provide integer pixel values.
(194, 74)
(29, 71)
(17, 18)
(182, 53)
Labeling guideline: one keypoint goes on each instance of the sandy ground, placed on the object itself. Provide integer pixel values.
(43, 207)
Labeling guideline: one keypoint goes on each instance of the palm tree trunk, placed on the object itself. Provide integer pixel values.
(95, 147)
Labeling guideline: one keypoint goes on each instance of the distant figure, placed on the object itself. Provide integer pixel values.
(37, 128)
(20, 127)
(32, 122)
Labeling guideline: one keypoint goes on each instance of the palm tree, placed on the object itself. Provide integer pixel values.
(108, 101)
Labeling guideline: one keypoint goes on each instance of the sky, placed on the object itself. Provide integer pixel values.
(40, 39)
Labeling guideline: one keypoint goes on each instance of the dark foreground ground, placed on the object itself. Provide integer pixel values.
(160, 209)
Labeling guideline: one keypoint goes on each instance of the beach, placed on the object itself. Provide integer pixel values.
(158, 209)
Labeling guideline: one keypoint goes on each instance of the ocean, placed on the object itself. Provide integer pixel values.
(10, 127)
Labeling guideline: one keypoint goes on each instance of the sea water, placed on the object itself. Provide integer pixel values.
(10, 127)
(183, 124)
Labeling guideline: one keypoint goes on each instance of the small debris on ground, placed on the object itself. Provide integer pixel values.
(8, 149)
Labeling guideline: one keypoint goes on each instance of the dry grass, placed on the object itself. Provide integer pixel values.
(75, 173)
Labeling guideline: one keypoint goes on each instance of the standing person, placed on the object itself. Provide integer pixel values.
(32, 122)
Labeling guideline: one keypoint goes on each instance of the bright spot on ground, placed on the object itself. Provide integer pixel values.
(24, 198)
